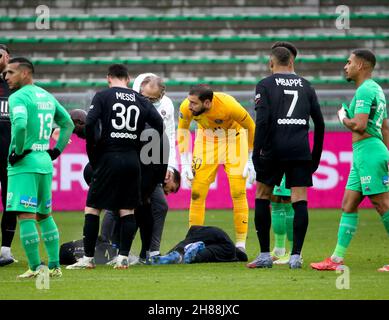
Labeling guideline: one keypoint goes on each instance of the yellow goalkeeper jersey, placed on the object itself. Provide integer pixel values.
(225, 114)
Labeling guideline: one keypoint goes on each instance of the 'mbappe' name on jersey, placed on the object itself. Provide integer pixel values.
(125, 96)
(288, 82)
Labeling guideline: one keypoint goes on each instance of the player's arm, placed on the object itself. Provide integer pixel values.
(18, 115)
(171, 134)
(262, 108)
(66, 126)
(318, 136)
(91, 121)
(364, 99)
(184, 140)
(183, 134)
(240, 115)
(385, 132)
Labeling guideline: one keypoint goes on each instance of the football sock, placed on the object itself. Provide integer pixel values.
(127, 230)
(278, 223)
(347, 227)
(385, 221)
(29, 238)
(50, 236)
(262, 223)
(91, 232)
(197, 203)
(300, 225)
(289, 212)
(241, 208)
(8, 226)
(145, 221)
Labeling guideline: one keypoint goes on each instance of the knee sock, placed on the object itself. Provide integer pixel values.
(385, 221)
(289, 223)
(8, 226)
(262, 223)
(127, 230)
(300, 225)
(91, 232)
(347, 227)
(241, 213)
(50, 236)
(29, 238)
(278, 222)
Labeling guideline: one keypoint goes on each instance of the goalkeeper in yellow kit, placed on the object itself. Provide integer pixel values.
(225, 135)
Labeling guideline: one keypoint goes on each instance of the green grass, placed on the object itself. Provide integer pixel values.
(368, 251)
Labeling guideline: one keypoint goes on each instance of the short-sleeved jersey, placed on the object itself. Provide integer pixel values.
(225, 114)
(284, 103)
(122, 114)
(370, 99)
(39, 110)
(5, 124)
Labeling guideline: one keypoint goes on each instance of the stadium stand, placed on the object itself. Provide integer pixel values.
(225, 42)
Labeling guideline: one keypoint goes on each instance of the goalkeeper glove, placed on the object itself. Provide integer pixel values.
(186, 167)
(249, 171)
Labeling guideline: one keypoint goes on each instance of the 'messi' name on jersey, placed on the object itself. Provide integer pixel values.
(288, 82)
(125, 96)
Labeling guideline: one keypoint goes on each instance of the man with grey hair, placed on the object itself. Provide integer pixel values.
(152, 87)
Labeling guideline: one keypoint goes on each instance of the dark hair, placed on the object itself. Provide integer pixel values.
(4, 47)
(203, 91)
(282, 54)
(119, 71)
(286, 45)
(177, 179)
(366, 55)
(23, 62)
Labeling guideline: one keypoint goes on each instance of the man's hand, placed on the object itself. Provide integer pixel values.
(13, 157)
(186, 167)
(53, 153)
(249, 171)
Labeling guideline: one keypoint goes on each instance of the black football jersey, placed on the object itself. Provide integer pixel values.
(120, 114)
(284, 104)
(5, 124)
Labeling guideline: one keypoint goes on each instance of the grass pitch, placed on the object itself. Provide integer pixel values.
(369, 250)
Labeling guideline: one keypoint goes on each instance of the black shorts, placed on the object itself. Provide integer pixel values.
(298, 173)
(115, 182)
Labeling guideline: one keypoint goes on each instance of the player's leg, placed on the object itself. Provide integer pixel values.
(22, 200)
(8, 222)
(280, 203)
(127, 231)
(205, 168)
(159, 208)
(298, 178)
(236, 159)
(49, 229)
(145, 221)
(348, 223)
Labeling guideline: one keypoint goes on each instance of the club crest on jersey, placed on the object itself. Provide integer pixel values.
(219, 121)
(163, 112)
(257, 98)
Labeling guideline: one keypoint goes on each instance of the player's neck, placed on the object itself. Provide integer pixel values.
(361, 78)
(118, 83)
(282, 69)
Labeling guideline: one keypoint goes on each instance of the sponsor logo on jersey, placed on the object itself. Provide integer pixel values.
(122, 135)
(28, 201)
(366, 179)
(9, 196)
(219, 121)
(359, 103)
(40, 147)
(292, 121)
(385, 180)
(40, 95)
(257, 98)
